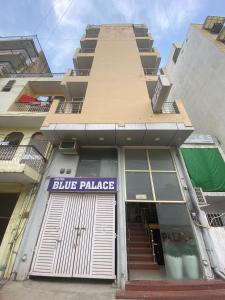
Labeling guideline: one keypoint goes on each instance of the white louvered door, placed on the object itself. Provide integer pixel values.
(77, 238)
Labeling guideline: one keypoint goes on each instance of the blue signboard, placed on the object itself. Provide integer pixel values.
(78, 184)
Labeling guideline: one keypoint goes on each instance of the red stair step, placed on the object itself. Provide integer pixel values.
(140, 257)
(166, 285)
(137, 232)
(138, 238)
(173, 295)
(138, 244)
(143, 266)
(139, 250)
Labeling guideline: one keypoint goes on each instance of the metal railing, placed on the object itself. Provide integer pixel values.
(31, 107)
(86, 50)
(24, 75)
(70, 107)
(145, 49)
(92, 26)
(149, 233)
(81, 72)
(90, 35)
(27, 155)
(151, 71)
(170, 108)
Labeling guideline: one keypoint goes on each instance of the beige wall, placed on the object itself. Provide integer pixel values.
(116, 91)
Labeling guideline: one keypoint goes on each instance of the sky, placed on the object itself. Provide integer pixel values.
(59, 24)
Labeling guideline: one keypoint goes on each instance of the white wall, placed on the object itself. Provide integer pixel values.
(198, 78)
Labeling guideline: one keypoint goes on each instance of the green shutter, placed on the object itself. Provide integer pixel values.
(206, 168)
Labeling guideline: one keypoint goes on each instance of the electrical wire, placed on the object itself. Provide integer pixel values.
(43, 20)
(59, 21)
(216, 217)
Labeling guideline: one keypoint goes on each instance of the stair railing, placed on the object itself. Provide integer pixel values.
(149, 232)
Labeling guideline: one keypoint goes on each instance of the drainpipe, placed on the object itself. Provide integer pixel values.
(121, 226)
(202, 220)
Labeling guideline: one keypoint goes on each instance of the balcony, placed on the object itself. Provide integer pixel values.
(81, 72)
(150, 61)
(140, 30)
(32, 75)
(70, 107)
(83, 61)
(21, 52)
(170, 108)
(86, 50)
(144, 44)
(151, 71)
(38, 104)
(26, 107)
(20, 164)
(92, 31)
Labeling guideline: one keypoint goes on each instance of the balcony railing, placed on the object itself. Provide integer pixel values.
(151, 71)
(87, 50)
(31, 107)
(18, 155)
(145, 50)
(81, 72)
(70, 107)
(24, 75)
(170, 108)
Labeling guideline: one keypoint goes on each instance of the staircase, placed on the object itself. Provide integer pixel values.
(140, 253)
(140, 257)
(174, 290)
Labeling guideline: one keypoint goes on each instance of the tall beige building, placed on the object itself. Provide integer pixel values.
(116, 201)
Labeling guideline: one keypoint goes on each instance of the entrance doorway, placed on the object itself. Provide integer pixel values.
(77, 238)
(7, 205)
(144, 246)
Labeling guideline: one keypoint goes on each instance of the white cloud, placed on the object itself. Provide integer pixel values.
(172, 14)
(127, 8)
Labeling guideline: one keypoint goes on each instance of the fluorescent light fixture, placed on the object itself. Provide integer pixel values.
(157, 139)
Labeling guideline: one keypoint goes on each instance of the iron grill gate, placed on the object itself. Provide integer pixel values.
(77, 238)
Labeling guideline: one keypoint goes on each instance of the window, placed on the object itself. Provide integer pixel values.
(7, 205)
(95, 162)
(8, 86)
(39, 142)
(151, 176)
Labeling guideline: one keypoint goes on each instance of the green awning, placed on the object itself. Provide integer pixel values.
(206, 168)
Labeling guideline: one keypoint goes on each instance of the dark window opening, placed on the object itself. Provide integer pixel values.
(8, 86)
(7, 205)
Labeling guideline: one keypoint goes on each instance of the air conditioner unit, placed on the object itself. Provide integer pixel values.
(200, 196)
(68, 147)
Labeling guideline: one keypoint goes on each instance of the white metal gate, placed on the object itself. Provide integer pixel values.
(77, 237)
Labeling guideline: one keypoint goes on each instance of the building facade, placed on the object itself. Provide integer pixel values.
(196, 70)
(23, 156)
(21, 54)
(116, 200)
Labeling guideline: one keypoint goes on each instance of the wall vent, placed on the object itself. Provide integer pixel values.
(68, 147)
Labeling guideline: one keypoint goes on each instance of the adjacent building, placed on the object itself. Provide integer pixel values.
(23, 148)
(196, 70)
(21, 54)
(118, 199)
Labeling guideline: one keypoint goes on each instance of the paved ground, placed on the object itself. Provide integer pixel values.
(52, 290)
